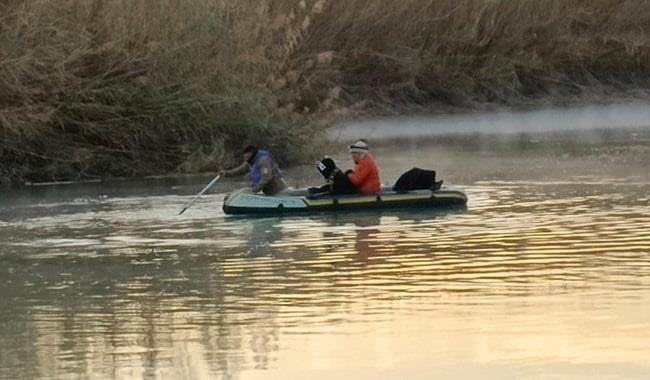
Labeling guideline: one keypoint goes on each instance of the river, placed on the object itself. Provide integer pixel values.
(546, 274)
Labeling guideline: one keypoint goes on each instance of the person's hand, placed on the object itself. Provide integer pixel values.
(222, 173)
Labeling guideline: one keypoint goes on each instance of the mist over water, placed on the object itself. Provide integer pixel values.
(545, 275)
(546, 120)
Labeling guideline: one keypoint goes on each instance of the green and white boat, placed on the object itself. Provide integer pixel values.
(298, 201)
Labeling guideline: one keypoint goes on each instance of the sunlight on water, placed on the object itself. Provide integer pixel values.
(536, 279)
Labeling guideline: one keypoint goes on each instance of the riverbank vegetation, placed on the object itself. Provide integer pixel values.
(98, 88)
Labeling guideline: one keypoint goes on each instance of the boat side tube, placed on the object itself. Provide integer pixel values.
(246, 202)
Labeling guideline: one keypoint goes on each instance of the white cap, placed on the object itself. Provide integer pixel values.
(358, 147)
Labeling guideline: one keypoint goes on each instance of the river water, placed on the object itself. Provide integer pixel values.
(546, 275)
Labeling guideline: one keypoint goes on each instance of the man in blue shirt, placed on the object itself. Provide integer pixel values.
(264, 172)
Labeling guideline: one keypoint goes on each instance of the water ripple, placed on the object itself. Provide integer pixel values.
(127, 280)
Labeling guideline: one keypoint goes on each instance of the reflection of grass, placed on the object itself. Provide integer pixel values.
(98, 88)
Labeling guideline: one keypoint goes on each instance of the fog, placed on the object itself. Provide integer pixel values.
(546, 120)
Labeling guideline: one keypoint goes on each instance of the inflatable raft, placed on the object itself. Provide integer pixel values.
(243, 201)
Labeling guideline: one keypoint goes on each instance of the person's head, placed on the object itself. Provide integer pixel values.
(358, 150)
(325, 167)
(249, 152)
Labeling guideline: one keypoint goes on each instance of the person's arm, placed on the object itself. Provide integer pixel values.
(266, 171)
(239, 170)
(359, 174)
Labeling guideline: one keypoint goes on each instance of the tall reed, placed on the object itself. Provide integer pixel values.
(91, 88)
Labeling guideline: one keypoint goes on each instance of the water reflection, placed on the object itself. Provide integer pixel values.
(264, 232)
(536, 277)
(365, 242)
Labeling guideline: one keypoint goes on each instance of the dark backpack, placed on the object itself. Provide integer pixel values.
(417, 179)
(338, 182)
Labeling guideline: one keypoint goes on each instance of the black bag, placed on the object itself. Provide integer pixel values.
(417, 179)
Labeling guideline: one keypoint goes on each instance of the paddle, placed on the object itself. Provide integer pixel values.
(201, 193)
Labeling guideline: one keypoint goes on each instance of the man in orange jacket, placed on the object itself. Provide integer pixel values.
(365, 176)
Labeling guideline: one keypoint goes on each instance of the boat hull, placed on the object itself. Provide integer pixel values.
(242, 202)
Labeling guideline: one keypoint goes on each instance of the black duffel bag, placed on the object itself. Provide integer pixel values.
(417, 179)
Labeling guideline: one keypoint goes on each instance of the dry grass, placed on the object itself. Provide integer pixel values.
(463, 52)
(90, 88)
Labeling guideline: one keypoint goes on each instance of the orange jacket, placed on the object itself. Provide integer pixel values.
(365, 176)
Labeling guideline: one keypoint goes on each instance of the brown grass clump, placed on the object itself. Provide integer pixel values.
(96, 88)
(464, 52)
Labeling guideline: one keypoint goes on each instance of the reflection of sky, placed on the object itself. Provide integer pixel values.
(536, 278)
